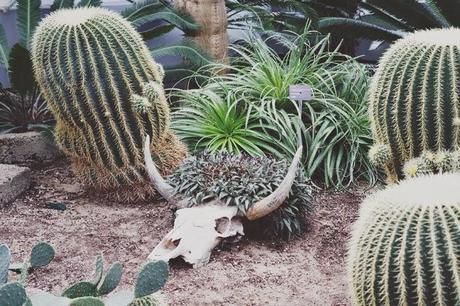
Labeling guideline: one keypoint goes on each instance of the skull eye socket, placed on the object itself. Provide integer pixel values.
(171, 244)
(222, 225)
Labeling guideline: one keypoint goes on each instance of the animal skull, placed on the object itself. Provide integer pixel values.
(198, 230)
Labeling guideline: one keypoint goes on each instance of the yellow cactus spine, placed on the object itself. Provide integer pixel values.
(405, 246)
(105, 91)
(414, 97)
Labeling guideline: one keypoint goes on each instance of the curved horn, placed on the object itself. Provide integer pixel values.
(272, 202)
(163, 188)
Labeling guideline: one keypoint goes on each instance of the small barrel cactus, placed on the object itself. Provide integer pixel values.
(414, 97)
(106, 93)
(433, 163)
(405, 247)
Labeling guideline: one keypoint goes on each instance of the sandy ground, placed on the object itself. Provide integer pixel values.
(307, 271)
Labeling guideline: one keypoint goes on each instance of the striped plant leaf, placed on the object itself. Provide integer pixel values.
(28, 17)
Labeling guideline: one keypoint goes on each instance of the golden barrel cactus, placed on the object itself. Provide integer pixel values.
(405, 247)
(106, 93)
(414, 98)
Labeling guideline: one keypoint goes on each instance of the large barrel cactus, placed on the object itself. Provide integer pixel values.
(405, 248)
(414, 98)
(106, 93)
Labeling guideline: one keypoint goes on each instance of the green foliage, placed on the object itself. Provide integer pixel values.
(155, 18)
(394, 19)
(414, 99)
(61, 4)
(241, 180)
(21, 113)
(100, 285)
(432, 163)
(251, 102)
(111, 279)
(98, 126)
(152, 277)
(41, 255)
(80, 289)
(4, 49)
(5, 260)
(284, 15)
(405, 245)
(28, 17)
(86, 301)
(12, 294)
(206, 120)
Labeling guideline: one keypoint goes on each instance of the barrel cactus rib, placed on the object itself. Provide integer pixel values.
(111, 112)
(414, 103)
(405, 246)
(90, 64)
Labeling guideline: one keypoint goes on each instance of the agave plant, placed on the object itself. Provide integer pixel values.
(391, 19)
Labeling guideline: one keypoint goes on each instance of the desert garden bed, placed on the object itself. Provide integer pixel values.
(309, 270)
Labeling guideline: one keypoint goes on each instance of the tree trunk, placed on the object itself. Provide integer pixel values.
(211, 15)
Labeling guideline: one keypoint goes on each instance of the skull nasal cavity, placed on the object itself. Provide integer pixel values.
(222, 225)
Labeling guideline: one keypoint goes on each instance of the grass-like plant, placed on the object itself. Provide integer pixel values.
(209, 121)
(333, 127)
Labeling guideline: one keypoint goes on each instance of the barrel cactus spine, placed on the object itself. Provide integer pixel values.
(106, 93)
(405, 246)
(414, 97)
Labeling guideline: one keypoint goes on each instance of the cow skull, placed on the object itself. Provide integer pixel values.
(198, 230)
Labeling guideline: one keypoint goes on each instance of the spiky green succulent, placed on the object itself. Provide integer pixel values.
(380, 155)
(241, 180)
(414, 97)
(405, 247)
(106, 93)
(433, 163)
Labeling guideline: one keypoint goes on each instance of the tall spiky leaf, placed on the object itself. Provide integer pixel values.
(28, 17)
(20, 70)
(4, 49)
(61, 4)
(90, 3)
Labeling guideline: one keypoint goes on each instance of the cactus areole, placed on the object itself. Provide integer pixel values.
(106, 93)
(414, 97)
(405, 247)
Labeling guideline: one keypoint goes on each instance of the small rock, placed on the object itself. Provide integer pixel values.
(14, 180)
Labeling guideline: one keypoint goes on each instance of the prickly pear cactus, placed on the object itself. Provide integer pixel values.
(414, 97)
(405, 246)
(106, 93)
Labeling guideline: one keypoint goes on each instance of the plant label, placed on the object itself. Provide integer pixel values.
(300, 92)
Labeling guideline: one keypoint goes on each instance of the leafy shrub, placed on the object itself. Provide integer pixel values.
(333, 128)
(241, 180)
